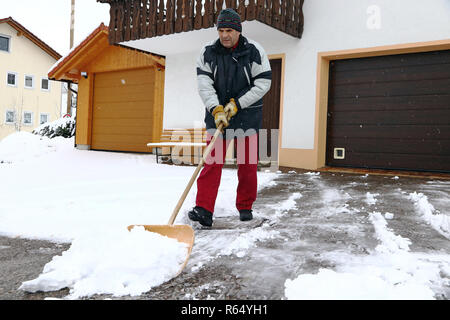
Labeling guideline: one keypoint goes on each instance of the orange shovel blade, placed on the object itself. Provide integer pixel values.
(182, 233)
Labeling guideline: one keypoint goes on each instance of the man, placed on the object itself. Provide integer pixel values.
(233, 75)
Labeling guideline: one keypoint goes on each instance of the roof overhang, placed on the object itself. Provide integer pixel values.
(69, 67)
(142, 19)
(22, 31)
(192, 41)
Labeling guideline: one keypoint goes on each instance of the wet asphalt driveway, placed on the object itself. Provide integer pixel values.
(309, 215)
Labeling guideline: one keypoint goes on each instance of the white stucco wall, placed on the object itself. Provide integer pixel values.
(329, 26)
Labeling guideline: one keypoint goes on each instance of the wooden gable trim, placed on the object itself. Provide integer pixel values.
(69, 67)
(64, 67)
(140, 19)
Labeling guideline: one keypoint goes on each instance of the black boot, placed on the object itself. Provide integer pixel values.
(245, 215)
(201, 215)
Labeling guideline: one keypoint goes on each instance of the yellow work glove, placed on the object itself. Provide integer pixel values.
(220, 116)
(230, 109)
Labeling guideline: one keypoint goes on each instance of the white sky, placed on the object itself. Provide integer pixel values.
(50, 19)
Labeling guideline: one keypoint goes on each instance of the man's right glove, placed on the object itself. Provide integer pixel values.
(231, 109)
(220, 116)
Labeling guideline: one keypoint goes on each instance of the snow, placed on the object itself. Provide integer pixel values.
(22, 145)
(245, 241)
(52, 191)
(120, 263)
(328, 285)
(58, 193)
(389, 242)
(371, 198)
(50, 129)
(389, 273)
(439, 222)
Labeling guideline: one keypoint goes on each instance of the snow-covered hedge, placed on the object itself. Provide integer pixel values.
(63, 127)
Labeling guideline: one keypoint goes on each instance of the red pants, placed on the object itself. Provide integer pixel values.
(247, 159)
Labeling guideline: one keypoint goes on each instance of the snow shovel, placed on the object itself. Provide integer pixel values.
(182, 233)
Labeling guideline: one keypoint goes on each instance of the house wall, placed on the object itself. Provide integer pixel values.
(25, 57)
(329, 26)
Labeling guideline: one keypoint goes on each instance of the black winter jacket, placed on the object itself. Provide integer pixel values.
(243, 74)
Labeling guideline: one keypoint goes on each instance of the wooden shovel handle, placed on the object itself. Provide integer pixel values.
(194, 176)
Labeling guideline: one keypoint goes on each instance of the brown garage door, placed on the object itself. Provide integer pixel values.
(271, 107)
(390, 112)
(123, 110)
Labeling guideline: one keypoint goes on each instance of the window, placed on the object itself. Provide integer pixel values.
(44, 118)
(27, 118)
(11, 79)
(45, 84)
(4, 43)
(10, 117)
(29, 82)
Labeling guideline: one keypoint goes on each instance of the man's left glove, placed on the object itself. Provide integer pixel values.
(230, 109)
(220, 116)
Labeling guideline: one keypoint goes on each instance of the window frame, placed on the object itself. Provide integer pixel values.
(25, 81)
(6, 116)
(23, 118)
(46, 114)
(48, 81)
(16, 75)
(9, 42)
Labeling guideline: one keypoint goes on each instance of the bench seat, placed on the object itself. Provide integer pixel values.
(183, 141)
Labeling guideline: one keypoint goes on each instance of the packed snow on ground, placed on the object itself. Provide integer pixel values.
(52, 191)
(391, 272)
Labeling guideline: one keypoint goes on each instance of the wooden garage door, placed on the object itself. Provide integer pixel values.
(271, 107)
(123, 110)
(390, 112)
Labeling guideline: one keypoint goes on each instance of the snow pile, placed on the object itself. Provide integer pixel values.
(118, 262)
(439, 222)
(389, 273)
(55, 192)
(62, 127)
(330, 285)
(390, 243)
(22, 146)
(370, 198)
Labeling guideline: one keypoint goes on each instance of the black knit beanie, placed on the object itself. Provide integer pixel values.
(228, 18)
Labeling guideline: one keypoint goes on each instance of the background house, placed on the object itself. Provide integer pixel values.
(361, 83)
(120, 94)
(27, 97)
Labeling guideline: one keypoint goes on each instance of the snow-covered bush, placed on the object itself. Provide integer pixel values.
(63, 127)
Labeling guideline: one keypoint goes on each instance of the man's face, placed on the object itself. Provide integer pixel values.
(228, 37)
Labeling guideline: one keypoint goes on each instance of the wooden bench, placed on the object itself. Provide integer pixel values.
(187, 144)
